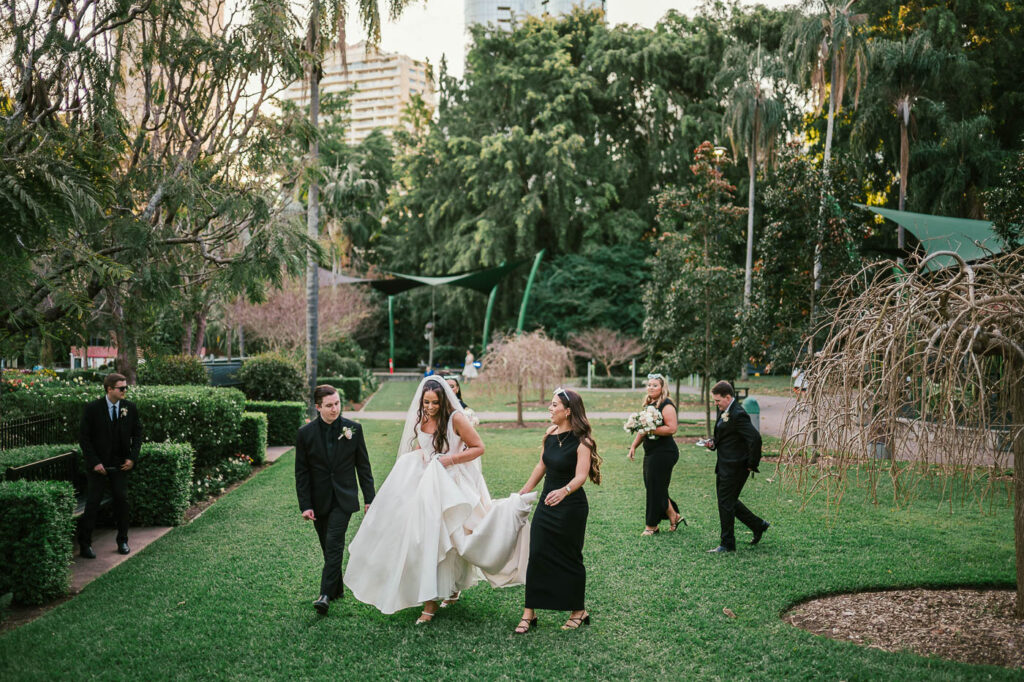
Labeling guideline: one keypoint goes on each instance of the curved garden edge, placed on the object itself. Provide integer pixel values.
(965, 623)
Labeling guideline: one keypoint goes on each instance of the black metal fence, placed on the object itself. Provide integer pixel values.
(37, 430)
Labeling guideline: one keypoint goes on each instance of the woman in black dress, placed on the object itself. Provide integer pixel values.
(660, 455)
(555, 576)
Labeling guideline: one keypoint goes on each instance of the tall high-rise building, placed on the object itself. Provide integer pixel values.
(503, 12)
(383, 83)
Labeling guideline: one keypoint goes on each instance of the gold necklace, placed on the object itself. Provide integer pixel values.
(566, 434)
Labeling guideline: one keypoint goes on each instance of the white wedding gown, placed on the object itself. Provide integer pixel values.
(410, 547)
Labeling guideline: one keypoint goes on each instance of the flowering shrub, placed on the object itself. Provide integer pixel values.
(210, 481)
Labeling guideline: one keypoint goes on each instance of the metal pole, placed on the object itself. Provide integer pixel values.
(487, 318)
(526, 293)
(632, 370)
(391, 335)
(590, 372)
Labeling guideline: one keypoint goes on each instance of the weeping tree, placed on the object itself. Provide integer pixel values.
(523, 361)
(925, 367)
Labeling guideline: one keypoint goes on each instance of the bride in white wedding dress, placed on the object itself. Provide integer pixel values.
(410, 547)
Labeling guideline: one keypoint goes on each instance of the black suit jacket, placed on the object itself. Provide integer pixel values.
(736, 439)
(318, 476)
(109, 443)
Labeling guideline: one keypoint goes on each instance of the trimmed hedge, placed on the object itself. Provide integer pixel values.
(17, 457)
(173, 370)
(283, 419)
(252, 436)
(35, 539)
(272, 376)
(204, 416)
(350, 387)
(158, 485)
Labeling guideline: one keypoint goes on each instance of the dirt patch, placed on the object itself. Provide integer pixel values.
(966, 625)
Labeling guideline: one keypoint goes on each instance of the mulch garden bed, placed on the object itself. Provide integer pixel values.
(967, 625)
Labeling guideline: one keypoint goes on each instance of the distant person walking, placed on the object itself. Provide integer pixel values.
(110, 436)
(660, 456)
(469, 371)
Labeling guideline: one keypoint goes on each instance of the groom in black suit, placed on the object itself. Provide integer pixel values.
(739, 452)
(110, 437)
(329, 452)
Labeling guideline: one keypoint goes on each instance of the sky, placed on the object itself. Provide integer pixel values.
(435, 28)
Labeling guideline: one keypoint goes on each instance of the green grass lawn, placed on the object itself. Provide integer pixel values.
(769, 385)
(229, 596)
(396, 396)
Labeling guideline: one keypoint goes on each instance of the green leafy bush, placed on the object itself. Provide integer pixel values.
(272, 376)
(35, 539)
(328, 362)
(173, 370)
(283, 419)
(252, 436)
(159, 485)
(203, 416)
(348, 367)
(349, 387)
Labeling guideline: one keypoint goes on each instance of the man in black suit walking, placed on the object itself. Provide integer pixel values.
(329, 452)
(110, 436)
(739, 452)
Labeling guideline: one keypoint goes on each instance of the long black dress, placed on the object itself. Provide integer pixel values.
(660, 455)
(555, 576)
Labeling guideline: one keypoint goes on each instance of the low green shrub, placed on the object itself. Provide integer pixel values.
(614, 382)
(35, 539)
(17, 457)
(272, 376)
(350, 387)
(252, 436)
(215, 480)
(173, 370)
(283, 419)
(159, 485)
(204, 416)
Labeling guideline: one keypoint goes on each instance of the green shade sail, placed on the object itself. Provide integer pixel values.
(477, 280)
(972, 239)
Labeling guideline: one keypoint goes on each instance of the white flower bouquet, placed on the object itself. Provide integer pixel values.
(471, 416)
(646, 420)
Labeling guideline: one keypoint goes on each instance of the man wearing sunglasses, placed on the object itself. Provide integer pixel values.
(110, 437)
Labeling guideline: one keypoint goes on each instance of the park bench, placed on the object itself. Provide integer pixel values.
(63, 467)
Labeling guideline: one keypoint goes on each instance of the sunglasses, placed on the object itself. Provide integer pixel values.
(120, 388)
(656, 376)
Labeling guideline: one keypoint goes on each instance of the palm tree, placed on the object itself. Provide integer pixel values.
(756, 110)
(318, 34)
(903, 70)
(827, 47)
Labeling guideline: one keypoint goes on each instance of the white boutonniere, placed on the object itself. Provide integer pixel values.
(346, 433)
(124, 412)
(725, 416)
